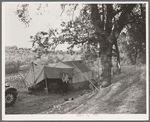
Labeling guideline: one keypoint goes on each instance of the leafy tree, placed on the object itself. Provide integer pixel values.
(23, 13)
(81, 32)
(44, 42)
(102, 27)
(101, 24)
(134, 45)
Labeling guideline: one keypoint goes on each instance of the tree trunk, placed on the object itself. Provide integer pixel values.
(103, 18)
(118, 58)
(106, 56)
(135, 56)
(106, 65)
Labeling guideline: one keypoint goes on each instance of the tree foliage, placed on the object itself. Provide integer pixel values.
(97, 30)
(44, 42)
(23, 13)
(81, 32)
(134, 45)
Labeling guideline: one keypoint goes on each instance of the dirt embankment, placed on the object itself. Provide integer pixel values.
(126, 95)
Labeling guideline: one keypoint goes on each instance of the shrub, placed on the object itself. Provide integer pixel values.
(24, 68)
(51, 61)
(11, 67)
(58, 60)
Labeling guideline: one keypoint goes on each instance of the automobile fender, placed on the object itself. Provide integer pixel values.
(11, 89)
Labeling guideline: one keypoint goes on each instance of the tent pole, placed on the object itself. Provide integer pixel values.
(33, 71)
(86, 77)
(46, 83)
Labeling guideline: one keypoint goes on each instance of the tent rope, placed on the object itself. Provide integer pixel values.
(86, 77)
(26, 83)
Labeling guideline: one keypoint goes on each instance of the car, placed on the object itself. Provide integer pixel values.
(11, 94)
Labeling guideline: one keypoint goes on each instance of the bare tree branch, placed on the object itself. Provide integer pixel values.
(74, 10)
(118, 11)
(63, 8)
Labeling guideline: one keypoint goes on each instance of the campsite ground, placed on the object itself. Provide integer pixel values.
(126, 94)
(38, 102)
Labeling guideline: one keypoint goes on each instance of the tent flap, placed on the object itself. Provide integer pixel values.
(35, 75)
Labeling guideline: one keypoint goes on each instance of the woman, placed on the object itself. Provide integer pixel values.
(63, 82)
(66, 82)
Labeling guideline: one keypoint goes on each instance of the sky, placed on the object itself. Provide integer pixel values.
(15, 33)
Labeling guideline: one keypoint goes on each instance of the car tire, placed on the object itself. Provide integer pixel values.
(10, 98)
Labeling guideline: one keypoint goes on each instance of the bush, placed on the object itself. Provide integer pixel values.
(51, 61)
(11, 67)
(58, 60)
(24, 68)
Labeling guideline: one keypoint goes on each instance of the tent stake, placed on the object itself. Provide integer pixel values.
(86, 77)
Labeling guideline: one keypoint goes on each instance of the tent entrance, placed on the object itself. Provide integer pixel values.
(54, 85)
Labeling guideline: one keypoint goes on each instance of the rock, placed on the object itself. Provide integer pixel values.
(105, 83)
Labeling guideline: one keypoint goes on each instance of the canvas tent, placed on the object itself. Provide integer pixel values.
(77, 72)
(80, 74)
(37, 72)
